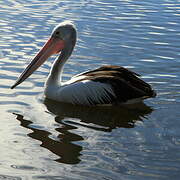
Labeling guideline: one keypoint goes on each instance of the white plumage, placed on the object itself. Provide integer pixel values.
(84, 92)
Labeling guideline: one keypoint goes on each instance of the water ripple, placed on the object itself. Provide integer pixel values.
(80, 143)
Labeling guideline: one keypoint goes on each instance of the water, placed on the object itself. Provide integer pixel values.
(45, 140)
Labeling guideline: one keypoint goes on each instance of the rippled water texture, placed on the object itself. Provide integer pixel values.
(46, 140)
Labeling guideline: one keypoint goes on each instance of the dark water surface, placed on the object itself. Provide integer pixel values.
(46, 140)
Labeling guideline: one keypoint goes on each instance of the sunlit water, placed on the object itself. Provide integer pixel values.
(46, 140)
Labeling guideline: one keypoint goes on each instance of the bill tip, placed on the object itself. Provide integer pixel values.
(13, 86)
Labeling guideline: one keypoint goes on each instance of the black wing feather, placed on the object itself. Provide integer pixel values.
(125, 84)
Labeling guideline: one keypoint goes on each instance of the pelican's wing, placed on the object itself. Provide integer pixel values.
(106, 85)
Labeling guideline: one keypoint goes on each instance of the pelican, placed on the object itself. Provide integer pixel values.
(106, 85)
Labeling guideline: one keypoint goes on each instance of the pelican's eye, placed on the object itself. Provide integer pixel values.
(57, 33)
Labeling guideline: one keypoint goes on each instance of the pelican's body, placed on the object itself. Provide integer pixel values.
(104, 85)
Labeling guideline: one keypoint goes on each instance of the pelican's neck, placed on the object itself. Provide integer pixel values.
(55, 75)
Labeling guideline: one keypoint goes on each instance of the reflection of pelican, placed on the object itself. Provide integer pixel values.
(105, 85)
(99, 119)
(102, 118)
(64, 148)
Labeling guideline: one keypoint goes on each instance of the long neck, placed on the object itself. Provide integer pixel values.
(55, 75)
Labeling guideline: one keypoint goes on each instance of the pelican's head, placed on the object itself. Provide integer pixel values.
(63, 39)
(64, 30)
